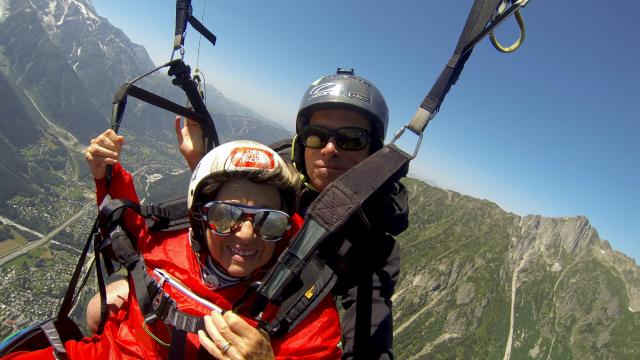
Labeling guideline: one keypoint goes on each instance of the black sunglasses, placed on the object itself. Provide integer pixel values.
(223, 217)
(347, 138)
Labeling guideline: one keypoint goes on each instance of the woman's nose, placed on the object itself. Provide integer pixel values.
(246, 231)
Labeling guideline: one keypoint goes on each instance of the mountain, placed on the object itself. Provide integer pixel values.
(60, 64)
(478, 282)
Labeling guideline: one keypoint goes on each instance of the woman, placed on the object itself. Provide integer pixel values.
(241, 200)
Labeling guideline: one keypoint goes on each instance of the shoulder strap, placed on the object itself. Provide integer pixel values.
(167, 216)
(315, 282)
(330, 212)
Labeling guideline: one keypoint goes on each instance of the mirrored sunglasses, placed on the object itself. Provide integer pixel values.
(224, 217)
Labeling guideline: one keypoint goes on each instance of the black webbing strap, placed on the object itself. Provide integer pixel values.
(183, 11)
(52, 335)
(169, 215)
(178, 342)
(202, 29)
(182, 73)
(183, 15)
(362, 333)
(481, 20)
(331, 210)
(154, 303)
(69, 296)
(163, 103)
(317, 281)
(102, 289)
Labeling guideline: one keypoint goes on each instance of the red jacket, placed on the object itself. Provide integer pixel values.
(316, 337)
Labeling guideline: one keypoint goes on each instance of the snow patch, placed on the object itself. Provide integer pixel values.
(79, 51)
(630, 309)
(75, 66)
(556, 267)
(52, 6)
(4, 9)
(86, 12)
(49, 20)
(602, 251)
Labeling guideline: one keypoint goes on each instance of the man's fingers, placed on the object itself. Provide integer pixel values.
(178, 128)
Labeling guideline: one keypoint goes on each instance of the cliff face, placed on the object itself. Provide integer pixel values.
(478, 282)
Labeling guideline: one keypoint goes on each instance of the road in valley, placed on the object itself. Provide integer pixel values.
(45, 239)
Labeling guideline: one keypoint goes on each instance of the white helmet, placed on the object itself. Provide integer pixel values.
(241, 159)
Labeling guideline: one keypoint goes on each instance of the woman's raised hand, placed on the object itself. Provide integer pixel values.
(102, 151)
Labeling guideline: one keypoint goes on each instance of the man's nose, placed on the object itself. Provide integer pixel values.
(330, 148)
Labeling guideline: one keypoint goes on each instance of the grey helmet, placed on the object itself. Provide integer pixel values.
(345, 89)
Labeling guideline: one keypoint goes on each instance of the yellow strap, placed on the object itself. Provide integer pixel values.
(517, 43)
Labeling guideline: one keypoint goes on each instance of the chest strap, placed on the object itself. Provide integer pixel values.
(154, 302)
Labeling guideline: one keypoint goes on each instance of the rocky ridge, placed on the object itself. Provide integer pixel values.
(478, 283)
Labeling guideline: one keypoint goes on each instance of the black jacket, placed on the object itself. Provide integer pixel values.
(368, 271)
(366, 258)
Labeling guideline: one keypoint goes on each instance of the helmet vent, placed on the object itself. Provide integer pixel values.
(342, 71)
(359, 97)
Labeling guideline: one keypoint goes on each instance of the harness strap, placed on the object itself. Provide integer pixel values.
(178, 342)
(481, 21)
(69, 296)
(184, 15)
(155, 304)
(170, 215)
(331, 210)
(317, 280)
(102, 289)
(183, 9)
(52, 335)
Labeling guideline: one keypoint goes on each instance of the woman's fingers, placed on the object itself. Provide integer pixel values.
(98, 151)
(230, 336)
(209, 345)
(220, 336)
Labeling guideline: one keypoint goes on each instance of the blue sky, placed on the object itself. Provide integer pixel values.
(551, 129)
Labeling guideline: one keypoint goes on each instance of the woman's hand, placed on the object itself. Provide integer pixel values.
(103, 150)
(190, 141)
(230, 337)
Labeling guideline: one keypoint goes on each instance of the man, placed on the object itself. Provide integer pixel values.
(343, 119)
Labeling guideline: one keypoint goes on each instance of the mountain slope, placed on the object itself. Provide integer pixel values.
(481, 283)
(61, 63)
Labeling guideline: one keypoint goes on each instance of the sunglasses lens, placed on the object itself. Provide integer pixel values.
(352, 139)
(223, 217)
(271, 225)
(314, 137)
(347, 138)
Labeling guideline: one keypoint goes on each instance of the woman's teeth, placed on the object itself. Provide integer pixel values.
(235, 251)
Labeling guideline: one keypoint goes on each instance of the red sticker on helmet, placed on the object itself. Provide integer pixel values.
(248, 157)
